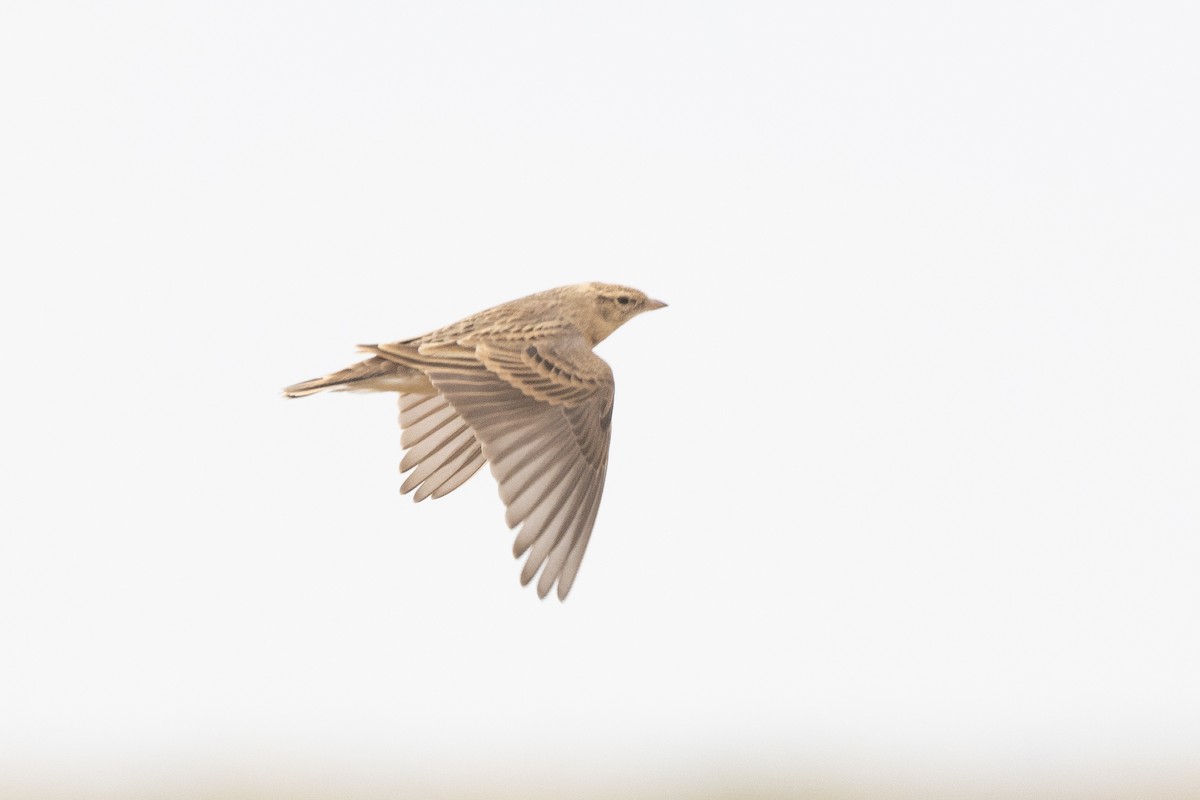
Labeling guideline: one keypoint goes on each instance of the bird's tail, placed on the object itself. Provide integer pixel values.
(374, 374)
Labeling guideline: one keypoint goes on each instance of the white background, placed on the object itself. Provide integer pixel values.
(905, 479)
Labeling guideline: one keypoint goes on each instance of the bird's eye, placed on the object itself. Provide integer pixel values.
(623, 299)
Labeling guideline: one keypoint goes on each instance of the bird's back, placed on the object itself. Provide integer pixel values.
(529, 317)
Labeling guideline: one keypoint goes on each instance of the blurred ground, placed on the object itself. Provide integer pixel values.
(268, 785)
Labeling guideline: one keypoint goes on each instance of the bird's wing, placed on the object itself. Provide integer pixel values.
(541, 411)
(440, 447)
(441, 450)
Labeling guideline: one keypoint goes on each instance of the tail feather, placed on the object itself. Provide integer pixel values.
(374, 374)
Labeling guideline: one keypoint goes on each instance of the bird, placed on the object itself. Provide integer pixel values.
(516, 387)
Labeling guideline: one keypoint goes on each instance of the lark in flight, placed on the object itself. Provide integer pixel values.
(519, 388)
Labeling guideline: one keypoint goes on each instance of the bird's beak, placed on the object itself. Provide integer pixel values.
(651, 305)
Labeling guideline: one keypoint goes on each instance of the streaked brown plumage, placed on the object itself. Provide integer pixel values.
(517, 387)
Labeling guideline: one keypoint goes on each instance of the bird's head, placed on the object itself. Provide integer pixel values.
(610, 306)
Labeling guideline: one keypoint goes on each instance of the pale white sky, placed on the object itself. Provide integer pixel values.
(908, 474)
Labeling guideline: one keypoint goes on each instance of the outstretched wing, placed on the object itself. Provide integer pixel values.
(541, 413)
(440, 448)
